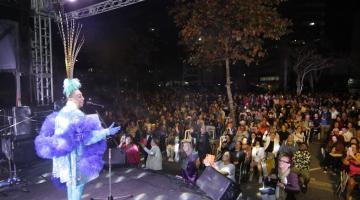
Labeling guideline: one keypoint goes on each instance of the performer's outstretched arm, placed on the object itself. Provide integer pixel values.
(98, 135)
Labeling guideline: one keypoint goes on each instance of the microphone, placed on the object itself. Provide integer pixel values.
(89, 102)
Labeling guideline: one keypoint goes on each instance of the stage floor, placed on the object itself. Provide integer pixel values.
(142, 184)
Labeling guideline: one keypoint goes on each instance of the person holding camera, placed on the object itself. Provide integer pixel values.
(352, 160)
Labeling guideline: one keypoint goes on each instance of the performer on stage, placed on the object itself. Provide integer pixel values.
(75, 142)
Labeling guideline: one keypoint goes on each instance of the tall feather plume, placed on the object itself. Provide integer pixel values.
(72, 41)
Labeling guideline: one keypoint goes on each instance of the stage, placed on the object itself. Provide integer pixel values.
(142, 184)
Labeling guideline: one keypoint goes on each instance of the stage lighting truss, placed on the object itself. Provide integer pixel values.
(41, 43)
(101, 7)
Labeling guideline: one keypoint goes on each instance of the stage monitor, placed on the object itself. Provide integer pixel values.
(8, 43)
(218, 186)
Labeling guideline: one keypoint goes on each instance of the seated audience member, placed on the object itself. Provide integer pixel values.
(283, 134)
(302, 165)
(258, 155)
(288, 181)
(224, 166)
(299, 135)
(289, 146)
(154, 159)
(352, 160)
(333, 153)
(131, 151)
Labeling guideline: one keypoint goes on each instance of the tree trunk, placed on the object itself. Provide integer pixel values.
(286, 63)
(228, 90)
(298, 85)
(311, 81)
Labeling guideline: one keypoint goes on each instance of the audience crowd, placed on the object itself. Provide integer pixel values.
(268, 140)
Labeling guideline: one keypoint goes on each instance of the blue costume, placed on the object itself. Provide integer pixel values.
(75, 143)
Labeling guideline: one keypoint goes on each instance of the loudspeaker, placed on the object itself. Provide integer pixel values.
(217, 186)
(8, 45)
(24, 151)
(22, 120)
(117, 157)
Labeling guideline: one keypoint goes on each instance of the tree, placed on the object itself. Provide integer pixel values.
(228, 31)
(307, 62)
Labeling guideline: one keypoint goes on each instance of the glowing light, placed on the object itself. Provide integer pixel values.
(312, 24)
(140, 196)
(71, 1)
(160, 197)
(200, 39)
(98, 185)
(45, 175)
(119, 179)
(185, 195)
(142, 174)
(129, 170)
(41, 181)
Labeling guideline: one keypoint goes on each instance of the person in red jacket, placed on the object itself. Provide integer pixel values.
(131, 151)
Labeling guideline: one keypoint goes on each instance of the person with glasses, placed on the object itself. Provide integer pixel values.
(288, 181)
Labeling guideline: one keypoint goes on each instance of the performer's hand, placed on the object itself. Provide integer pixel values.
(112, 130)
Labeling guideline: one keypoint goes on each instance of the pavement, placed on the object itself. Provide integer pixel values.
(321, 186)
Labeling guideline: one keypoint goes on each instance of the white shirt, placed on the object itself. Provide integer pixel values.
(347, 136)
(299, 136)
(334, 114)
(229, 169)
(154, 159)
(258, 154)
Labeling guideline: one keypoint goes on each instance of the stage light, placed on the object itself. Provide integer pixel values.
(71, 1)
(98, 185)
(140, 196)
(119, 179)
(312, 24)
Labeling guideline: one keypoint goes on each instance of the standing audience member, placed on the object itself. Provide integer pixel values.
(190, 162)
(131, 151)
(203, 143)
(154, 160)
(302, 165)
(288, 184)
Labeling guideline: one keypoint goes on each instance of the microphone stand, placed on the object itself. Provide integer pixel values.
(110, 197)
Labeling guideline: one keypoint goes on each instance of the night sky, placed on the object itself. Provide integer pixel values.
(144, 35)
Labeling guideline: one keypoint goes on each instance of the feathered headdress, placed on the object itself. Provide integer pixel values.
(187, 137)
(70, 33)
